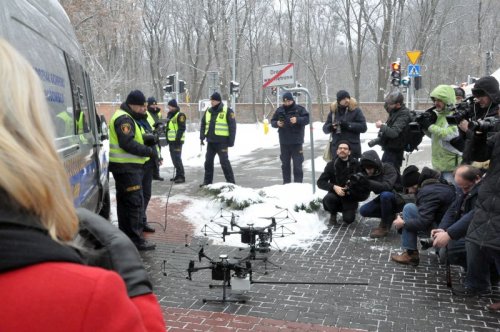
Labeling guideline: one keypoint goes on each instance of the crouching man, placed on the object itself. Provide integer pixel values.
(433, 199)
(381, 178)
(337, 180)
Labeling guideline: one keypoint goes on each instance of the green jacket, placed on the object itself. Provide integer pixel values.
(444, 157)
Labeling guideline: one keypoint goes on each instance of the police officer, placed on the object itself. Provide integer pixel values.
(127, 157)
(291, 119)
(154, 116)
(218, 127)
(175, 137)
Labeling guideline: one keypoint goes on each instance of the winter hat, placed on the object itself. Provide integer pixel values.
(487, 85)
(410, 176)
(445, 93)
(342, 94)
(216, 96)
(459, 92)
(287, 96)
(135, 97)
(173, 103)
(428, 173)
(344, 142)
(394, 97)
(152, 101)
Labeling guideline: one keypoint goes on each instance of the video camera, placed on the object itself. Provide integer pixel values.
(462, 111)
(153, 138)
(423, 120)
(375, 141)
(486, 125)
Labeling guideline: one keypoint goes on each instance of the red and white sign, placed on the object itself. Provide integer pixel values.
(278, 75)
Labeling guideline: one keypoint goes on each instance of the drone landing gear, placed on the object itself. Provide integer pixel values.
(252, 256)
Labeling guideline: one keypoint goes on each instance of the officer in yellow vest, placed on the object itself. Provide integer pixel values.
(127, 157)
(218, 127)
(175, 137)
(154, 115)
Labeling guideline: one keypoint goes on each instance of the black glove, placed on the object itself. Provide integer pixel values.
(202, 142)
(344, 125)
(112, 250)
(150, 139)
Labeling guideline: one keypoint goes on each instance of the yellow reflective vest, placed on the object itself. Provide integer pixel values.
(221, 126)
(173, 127)
(116, 153)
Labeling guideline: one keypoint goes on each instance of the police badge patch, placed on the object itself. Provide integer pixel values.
(232, 116)
(182, 118)
(126, 128)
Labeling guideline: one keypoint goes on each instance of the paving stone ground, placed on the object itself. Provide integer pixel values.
(397, 298)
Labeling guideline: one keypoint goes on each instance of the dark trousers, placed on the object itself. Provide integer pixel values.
(382, 206)
(221, 150)
(176, 156)
(129, 202)
(156, 164)
(333, 203)
(393, 157)
(292, 152)
(479, 260)
(147, 183)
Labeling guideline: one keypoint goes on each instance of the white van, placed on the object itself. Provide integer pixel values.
(42, 32)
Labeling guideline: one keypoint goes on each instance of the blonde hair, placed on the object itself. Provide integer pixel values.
(32, 174)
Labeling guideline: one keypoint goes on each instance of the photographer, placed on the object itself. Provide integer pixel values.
(381, 179)
(487, 94)
(391, 132)
(483, 235)
(453, 227)
(345, 122)
(434, 196)
(445, 158)
(291, 119)
(176, 129)
(335, 178)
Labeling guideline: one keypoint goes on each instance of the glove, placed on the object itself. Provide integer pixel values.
(112, 250)
(344, 125)
(202, 142)
(150, 139)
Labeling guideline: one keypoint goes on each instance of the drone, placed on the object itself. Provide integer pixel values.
(236, 275)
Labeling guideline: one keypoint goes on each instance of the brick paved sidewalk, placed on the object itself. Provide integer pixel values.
(398, 298)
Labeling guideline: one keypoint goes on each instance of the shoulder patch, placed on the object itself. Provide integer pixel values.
(232, 116)
(126, 128)
(182, 118)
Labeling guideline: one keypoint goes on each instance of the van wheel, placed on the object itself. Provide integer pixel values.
(106, 206)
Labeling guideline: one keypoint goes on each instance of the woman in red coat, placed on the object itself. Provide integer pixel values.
(44, 284)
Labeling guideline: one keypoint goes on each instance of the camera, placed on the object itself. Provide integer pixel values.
(423, 120)
(375, 141)
(426, 243)
(462, 111)
(338, 130)
(281, 118)
(486, 125)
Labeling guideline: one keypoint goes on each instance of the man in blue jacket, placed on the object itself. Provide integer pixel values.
(453, 227)
(433, 199)
(290, 119)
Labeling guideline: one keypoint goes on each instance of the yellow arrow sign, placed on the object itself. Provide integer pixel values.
(413, 56)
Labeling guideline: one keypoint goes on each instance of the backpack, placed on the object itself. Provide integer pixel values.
(412, 133)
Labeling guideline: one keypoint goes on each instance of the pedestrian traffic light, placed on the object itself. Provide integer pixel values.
(406, 81)
(418, 82)
(182, 86)
(274, 90)
(234, 87)
(396, 73)
(170, 87)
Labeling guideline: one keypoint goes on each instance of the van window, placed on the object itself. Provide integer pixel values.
(80, 97)
(49, 63)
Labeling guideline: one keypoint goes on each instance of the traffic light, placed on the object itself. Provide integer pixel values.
(418, 82)
(234, 87)
(396, 73)
(182, 86)
(170, 87)
(406, 81)
(274, 90)
(297, 85)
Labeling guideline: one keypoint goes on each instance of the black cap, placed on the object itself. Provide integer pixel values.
(287, 96)
(152, 101)
(487, 85)
(136, 97)
(216, 96)
(410, 176)
(342, 94)
(173, 103)
(428, 173)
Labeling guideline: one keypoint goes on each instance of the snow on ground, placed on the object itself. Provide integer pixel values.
(294, 229)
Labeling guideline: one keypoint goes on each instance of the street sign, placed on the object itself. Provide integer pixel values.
(413, 56)
(413, 70)
(278, 75)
